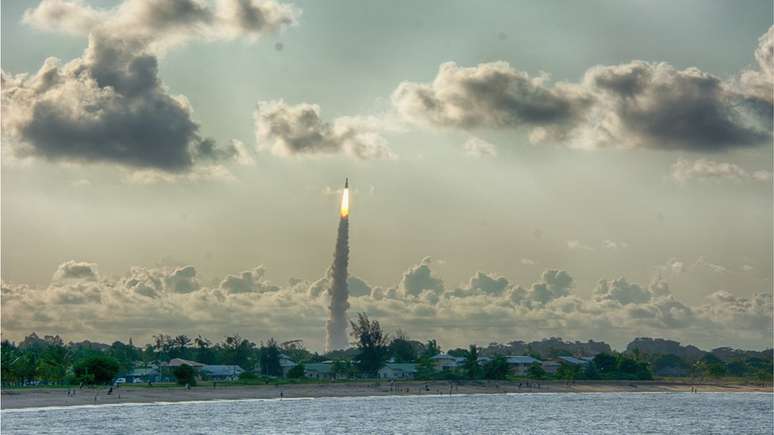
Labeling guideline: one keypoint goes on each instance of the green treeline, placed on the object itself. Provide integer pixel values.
(48, 360)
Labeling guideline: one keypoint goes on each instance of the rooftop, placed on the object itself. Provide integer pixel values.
(521, 359)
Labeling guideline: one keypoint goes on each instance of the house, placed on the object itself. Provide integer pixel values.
(286, 364)
(167, 368)
(520, 363)
(321, 370)
(571, 360)
(222, 372)
(177, 362)
(551, 367)
(149, 374)
(443, 361)
(398, 371)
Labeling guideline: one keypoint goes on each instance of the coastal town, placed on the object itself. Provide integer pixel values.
(48, 361)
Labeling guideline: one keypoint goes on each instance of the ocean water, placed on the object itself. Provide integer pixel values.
(597, 413)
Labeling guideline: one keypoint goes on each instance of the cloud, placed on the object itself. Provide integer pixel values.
(702, 263)
(528, 262)
(76, 270)
(357, 287)
(654, 105)
(479, 148)
(196, 174)
(486, 283)
(622, 291)
(161, 25)
(577, 245)
(292, 130)
(611, 244)
(488, 95)
(182, 280)
(147, 301)
(632, 105)
(109, 105)
(419, 278)
(248, 281)
(555, 284)
(704, 169)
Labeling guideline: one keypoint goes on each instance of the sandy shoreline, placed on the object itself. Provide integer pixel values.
(44, 397)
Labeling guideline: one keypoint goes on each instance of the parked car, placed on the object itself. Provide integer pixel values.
(138, 381)
(119, 381)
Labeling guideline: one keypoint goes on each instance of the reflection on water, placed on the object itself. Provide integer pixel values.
(599, 413)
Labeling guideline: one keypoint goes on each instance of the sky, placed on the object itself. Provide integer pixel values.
(519, 170)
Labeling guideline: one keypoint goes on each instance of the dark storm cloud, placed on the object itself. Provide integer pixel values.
(255, 17)
(637, 104)
(654, 105)
(109, 105)
(489, 95)
(162, 24)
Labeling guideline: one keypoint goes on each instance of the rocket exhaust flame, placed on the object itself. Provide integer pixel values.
(337, 320)
(344, 211)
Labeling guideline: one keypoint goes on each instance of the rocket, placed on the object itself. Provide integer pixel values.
(344, 211)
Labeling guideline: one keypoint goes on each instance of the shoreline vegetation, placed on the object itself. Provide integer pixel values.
(41, 397)
(44, 371)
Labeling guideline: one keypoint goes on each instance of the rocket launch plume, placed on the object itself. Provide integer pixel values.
(337, 318)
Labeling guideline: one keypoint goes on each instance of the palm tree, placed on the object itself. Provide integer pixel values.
(471, 362)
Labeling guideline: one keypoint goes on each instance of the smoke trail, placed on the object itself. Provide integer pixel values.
(337, 319)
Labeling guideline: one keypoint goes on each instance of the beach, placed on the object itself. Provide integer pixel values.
(47, 397)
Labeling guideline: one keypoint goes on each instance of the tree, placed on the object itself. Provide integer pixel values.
(713, 366)
(296, 351)
(431, 349)
(297, 372)
(270, 359)
(568, 372)
(497, 368)
(97, 369)
(669, 363)
(736, 368)
(184, 374)
(604, 363)
(341, 368)
(403, 350)
(472, 369)
(371, 342)
(458, 352)
(204, 352)
(238, 351)
(535, 371)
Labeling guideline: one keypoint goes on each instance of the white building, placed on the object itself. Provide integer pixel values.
(222, 372)
(443, 361)
(520, 363)
(398, 371)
